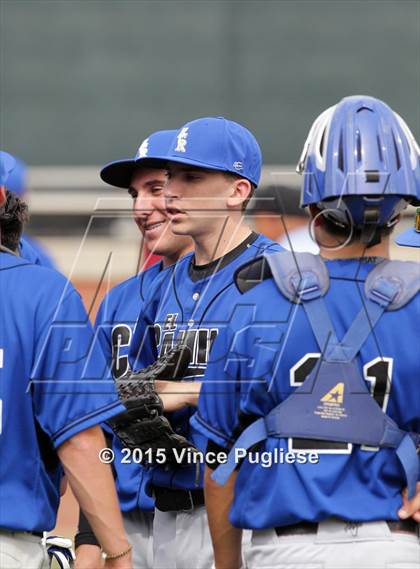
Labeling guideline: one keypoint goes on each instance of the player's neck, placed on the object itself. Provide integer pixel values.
(358, 250)
(211, 246)
(169, 260)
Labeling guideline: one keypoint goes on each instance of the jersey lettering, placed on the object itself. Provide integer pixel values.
(199, 340)
(121, 338)
(378, 373)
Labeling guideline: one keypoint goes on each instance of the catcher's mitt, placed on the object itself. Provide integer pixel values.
(143, 426)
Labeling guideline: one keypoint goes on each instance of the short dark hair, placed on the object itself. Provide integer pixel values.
(342, 233)
(13, 217)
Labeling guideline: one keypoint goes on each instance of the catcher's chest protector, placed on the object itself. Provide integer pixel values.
(334, 403)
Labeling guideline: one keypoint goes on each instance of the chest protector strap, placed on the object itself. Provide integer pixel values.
(334, 403)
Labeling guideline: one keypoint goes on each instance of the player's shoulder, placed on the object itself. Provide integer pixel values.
(148, 277)
(158, 286)
(256, 271)
(258, 246)
(259, 289)
(271, 271)
(182, 263)
(32, 280)
(117, 297)
(128, 286)
(33, 251)
(256, 289)
(136, 283)
(371, 272)
(153, 282)
(130, 292)
(263, 244)
(9, 261)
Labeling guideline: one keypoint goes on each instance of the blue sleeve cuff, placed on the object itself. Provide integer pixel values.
(87, 421)
(210, 432)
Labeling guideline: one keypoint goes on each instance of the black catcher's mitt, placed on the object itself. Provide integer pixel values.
(143, 426)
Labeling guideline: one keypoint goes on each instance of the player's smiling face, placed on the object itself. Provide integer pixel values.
(150, 213)
(196, 198)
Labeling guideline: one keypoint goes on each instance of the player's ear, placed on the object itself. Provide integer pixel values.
(2, 195)
(240, 191)
(313, 210)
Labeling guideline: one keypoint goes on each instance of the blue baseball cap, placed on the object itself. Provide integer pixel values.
(7, 163)
(411, 237)
(16, 182)
(218, 144)
(150, 154)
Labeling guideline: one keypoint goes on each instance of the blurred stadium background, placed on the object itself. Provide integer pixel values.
(83, 82)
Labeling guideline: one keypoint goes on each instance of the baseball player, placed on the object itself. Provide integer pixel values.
(53, 394)
(30, 249)
(213, 166)
(144, 178)
(315, 391)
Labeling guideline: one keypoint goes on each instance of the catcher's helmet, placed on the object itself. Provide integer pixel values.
(362, 164)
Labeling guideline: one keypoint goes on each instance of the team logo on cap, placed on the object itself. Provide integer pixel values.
(238, 165)
(182, 140)
(143, 149)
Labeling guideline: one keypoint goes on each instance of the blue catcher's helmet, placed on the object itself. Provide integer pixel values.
(362, 164)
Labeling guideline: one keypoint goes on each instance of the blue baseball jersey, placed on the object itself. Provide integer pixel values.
(114, 325)
(53, 384)
(266, 354)
(32, 251)
(191, 305)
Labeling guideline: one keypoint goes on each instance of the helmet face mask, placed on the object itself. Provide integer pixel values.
(360, 159)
